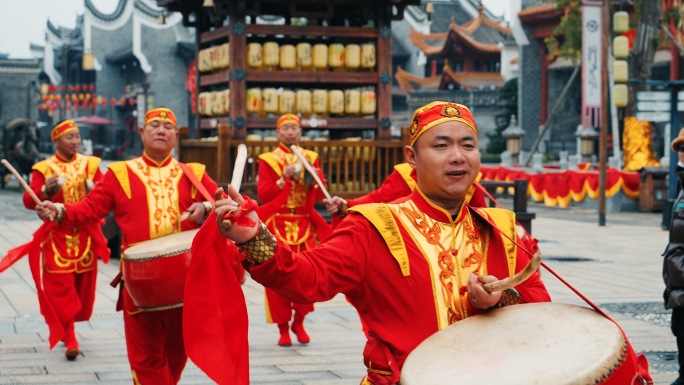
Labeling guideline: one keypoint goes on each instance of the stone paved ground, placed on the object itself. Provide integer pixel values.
(617, 266)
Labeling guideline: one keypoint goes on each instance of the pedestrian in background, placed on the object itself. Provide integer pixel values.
(673, 261)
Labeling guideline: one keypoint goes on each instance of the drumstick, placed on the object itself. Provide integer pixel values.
(516, 279)
(21, 180)
(238, 171)
(311, 170)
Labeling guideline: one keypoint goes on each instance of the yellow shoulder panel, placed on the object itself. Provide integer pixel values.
(504, 221)
(44, 168)
(272, 161)
(120, 170)
(404, 169)
(198, 170)
(311, 156)
(380, 216)
(93, 165)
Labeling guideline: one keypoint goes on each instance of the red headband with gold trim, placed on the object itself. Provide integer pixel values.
(288, 118)
(435, 113)
(62, 128)
(161, 113)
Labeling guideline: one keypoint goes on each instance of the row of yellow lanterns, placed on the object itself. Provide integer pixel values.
(620, 66)
(272, 101)
(302, 57)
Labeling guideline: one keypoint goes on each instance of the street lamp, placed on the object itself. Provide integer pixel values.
(586, 136)
(513, 133)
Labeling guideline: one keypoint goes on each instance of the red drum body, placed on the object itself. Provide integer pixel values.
(537, 343)
(155, 271)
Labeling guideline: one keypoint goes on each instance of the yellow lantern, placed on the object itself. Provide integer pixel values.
(336, 102)
(620, 22)
(287, 57)
(368, 56)
(223, 55)
(226, 99)
(204, 60)
(218, 105)
(620, 95)
(213, 56)
(620, 71)
(320, 102)
(271, 55)
(621, 47)
(203, 105)
(336, 55)
(270, 96)
(352, 101)
(368, 104)
(254, 56)
(303, 102)
(286, 102)
(352, 56)
(320, 57)
(255, 102)
(304, 59)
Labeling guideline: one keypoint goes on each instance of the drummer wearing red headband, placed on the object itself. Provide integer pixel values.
(411, 267)
(296, 222)
(148, 195)
(66, 287)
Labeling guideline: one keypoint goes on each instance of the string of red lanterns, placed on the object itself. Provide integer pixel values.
(76, 97)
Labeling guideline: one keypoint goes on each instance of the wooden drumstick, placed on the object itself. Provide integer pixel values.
(21, 180)
(238, 171)
(311, 170)
(516, 279)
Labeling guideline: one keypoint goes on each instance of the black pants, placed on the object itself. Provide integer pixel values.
(677, 327)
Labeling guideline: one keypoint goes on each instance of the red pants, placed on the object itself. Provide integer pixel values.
(71, 295)
(280, 309)
(154, 341)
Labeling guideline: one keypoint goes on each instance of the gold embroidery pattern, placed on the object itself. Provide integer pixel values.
(161, 184)
(73, 260)
(291, 231)
(74, 189)
(72, 244)
(297, 195)
(446, 263)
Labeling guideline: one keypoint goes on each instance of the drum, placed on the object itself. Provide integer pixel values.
(537, 343)
(155, 271)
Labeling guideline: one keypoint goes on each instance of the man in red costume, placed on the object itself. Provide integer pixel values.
(66, 291)
(296, 222)
(148, 195)
(411, 267)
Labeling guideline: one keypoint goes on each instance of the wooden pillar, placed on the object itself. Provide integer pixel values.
(384, 55)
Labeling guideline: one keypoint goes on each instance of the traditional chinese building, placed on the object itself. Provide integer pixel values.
(115, 66)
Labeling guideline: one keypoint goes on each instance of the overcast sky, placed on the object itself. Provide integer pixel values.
(23, 22)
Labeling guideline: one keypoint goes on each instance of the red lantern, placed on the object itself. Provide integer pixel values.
(122, 101)
(78, 88)
(113, 101)
(131, 101)
(92, 87)
(62, 87)
(70, 88)
(104, 102)
(58, 97)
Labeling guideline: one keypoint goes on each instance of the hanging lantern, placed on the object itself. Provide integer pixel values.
(336, 55)
(303, 102)
(78, 88)
(113, 101)
(271, 54)
(368, 101)
(81, 96)
(336, 102)
(131, 101)
(352, 56)
(58, 97)
(254, 55)
(620, 71)
(320, 102)
(270, 96)
(122, 101)
(368, 56)
(70, 88)
(352, 101)
(102, 100)
(320, 57)
(620, 22)
(288, 56)
(286, 102)
(621, 47)
(304, 59)
(620, 95)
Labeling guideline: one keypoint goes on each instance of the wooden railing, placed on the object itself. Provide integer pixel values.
(351, 167)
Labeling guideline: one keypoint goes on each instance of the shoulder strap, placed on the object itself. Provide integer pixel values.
(190, 174)
(93, 166)
(120, 171)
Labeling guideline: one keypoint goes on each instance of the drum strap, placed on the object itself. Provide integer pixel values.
(195, 182)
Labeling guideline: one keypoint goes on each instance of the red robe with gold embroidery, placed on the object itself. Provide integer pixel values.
(296, 222)
(147, 199)
(388, 265)
(69, 253)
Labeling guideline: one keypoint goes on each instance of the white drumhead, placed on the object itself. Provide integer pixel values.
(171, 244)
(537, 343)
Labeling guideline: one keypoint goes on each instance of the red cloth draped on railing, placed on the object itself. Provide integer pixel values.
(559, 188)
